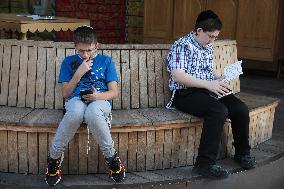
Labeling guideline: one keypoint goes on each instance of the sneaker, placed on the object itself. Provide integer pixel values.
(53, 171)
(245, 161)
(211, 171)
(116, 169)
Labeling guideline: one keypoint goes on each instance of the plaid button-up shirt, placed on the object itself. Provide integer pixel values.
(195, 60)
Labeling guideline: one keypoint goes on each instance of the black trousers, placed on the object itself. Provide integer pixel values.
(199, 102)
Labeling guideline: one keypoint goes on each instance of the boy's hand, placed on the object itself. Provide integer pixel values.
(84, 67)
(94, 96)
(219, 87)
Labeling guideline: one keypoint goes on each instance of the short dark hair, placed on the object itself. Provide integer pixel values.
(208, 21)
(85, 34)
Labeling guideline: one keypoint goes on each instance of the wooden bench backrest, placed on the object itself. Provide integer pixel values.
(29, 72)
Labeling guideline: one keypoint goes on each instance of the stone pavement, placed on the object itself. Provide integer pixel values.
(269, 172)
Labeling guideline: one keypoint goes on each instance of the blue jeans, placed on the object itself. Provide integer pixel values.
(95, 114)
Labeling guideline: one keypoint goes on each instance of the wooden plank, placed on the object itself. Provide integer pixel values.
(50, 78)
(23, 74)
(13, 151)
(183, 146)
(42, 152)
(31, 80)
(141, 149)
(40, 79)
(4, 151)
(159, 78)
(60, 55)
(33, 152)
(167, 93)
(83, 161)
(176, 147)
(159, 149)
(23, 152)
(143, 80)
(190, 146)
(1, 64)
(102, 163)
(69, 52)
(5, 75)
(150, 157)
(125, 80)
(134, 79)
(123, 148)
(116, 60)
(93, 156)
(132, 151)
(151, 79)
(198, 131)
(167, 162)
(14, 76)
(73, 155)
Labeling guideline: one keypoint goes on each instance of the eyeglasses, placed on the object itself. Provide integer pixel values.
(88, 51)
(213, 37)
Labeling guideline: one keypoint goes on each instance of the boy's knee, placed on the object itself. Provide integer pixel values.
(240, 111)
(221, 112)
(75, 115)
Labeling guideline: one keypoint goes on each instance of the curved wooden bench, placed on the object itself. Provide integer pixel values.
(146, 135)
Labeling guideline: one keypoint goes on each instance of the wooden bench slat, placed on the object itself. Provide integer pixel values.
(14, 73)
(159, 149)
(40, 78)
(128, 117)
(93, 156)
(83, 161)
(5, 75)
(43, 117)
(31, 80)
(23, 74)
(4, 151)
(74, 155)
(60, 54)
(159, 78)
(13, 151)
(151, 78)
(141, 149)
(33, 152)
(13, 114)
(43, 149)
(167, 161)
(23, 151)
(143, 80)
(117, 62)
(1, 62)
(190, 146)
(123, 148)
(132, 149)
(134, 78)
(125, 79)
(167, 93)
(50, 78)
(150, 157)
(165, 116)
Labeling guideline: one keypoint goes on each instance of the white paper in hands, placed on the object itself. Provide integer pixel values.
(233, 71)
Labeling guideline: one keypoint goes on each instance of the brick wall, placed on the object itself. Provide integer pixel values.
(107, 16)
(134, 21)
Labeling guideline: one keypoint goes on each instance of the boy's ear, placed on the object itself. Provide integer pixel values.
(198, 30)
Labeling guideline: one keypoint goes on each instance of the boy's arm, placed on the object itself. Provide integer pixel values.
(216, 86)
(69, 87)
(108, 95)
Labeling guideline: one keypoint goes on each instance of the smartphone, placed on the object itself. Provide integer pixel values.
(85, 92)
